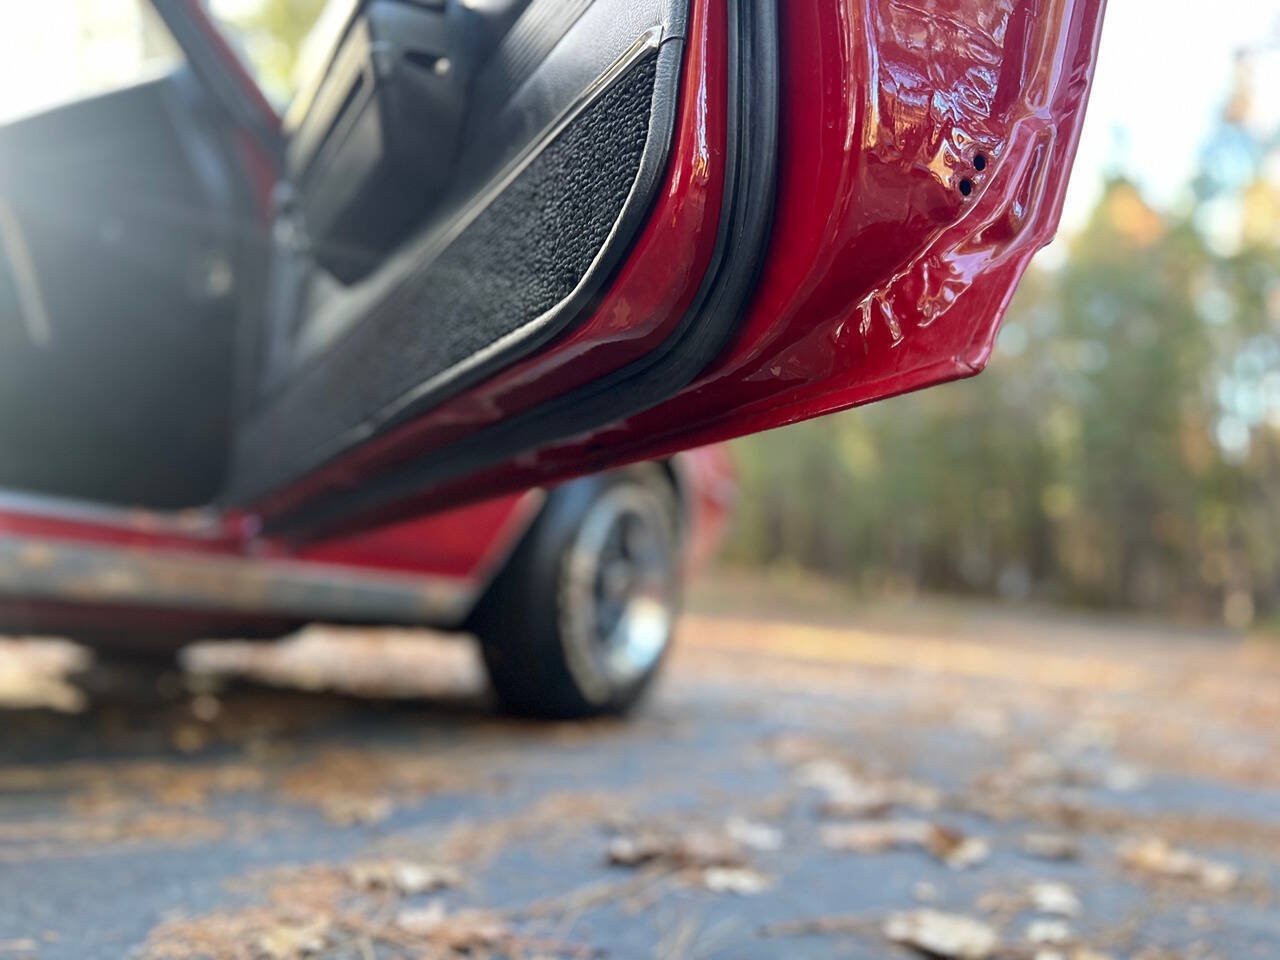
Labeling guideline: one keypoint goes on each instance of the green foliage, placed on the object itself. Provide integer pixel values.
(272, 32)
(1122, 449)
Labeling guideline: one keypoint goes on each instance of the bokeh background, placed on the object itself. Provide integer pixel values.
(1123, 448)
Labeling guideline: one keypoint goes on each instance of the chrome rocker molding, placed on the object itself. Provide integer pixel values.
(33, 568)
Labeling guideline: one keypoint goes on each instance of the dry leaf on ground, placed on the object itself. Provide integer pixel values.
(289, 941)
(34, 675)
(404, 876)
(743, 881)
(1058, 899)
(1050, 846)
(952, 847)
(848, 794)
(1156, 857)
(951, 936)
(1048, 933)
(754, 835)
(462, 932)
(694, 849)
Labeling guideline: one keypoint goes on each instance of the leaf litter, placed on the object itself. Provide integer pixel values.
(1156, 857)
(945, 844)
(716, 858)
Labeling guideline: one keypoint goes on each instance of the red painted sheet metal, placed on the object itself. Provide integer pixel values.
(464, 544)
(133, 528)
(175, 574)
(469, 543)
(924, 155)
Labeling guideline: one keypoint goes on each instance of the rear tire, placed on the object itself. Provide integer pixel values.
(578, 623)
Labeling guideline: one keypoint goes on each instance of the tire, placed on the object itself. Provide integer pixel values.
(578, 623)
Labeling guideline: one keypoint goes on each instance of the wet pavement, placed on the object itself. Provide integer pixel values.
(811, 779)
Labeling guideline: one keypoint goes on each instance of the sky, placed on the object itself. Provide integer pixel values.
(1163, 73)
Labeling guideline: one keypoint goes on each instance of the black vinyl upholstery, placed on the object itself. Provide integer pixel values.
(524, 255)
(124, 398)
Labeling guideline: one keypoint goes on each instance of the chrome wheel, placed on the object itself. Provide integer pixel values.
(618, 592)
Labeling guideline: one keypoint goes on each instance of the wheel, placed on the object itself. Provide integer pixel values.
(579, 621)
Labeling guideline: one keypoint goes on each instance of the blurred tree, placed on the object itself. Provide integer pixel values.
(1123, 448)
(272, 32)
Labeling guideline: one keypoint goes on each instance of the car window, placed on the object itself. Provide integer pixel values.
(271, 37)
(59, 51)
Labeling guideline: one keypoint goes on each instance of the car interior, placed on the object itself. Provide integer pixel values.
(203, 312)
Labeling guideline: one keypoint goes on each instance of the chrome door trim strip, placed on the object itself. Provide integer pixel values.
(201, 523)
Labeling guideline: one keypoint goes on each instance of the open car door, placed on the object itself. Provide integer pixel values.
(604, 231)
(491, 245)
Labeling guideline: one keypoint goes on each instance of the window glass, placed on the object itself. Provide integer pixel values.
(59, 51)
(270, 35)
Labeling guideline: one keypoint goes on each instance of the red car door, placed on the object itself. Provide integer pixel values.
(752, 214)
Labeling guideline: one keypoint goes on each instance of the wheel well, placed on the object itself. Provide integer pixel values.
(670, 472)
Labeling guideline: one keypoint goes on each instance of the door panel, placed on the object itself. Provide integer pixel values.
(921, 159)
(549, 191)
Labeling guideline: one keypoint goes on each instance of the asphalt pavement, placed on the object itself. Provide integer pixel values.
(813, 778)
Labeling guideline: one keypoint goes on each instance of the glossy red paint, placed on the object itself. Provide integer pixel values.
(924, 155)
(462, 544)
(469, 543)
(460, 550)
(650, 296)
(883, 276)
(455, 552)
(53, 520)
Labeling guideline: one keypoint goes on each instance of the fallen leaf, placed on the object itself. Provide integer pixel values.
(754, 835)
(1055, 898)
(33, 674)
(1075, 953)
(1050, 846)
(1155, 856)
(742, 881)
(851, 795)
(696, 849)
(354, 811)
(404, 877)
(1122, 778)
(948, 935)
(289, 941)
(467, 930)
(1048, 932)
(947, 845)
